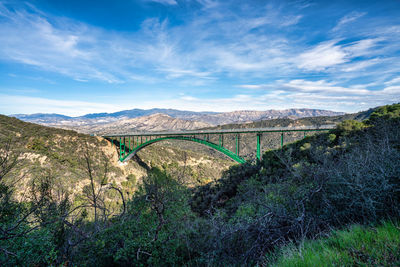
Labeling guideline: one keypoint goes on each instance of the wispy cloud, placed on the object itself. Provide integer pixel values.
(357, 66)
(351, 56)
(364, 47)
(223, 43)
(322, 87)
(353, 16)
(70, 50)
(254, 86)
(393, 81)
(292, 20)
(322, 56)
(164, 2)
(208, 3)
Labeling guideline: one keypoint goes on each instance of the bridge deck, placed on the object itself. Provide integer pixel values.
(230, 131)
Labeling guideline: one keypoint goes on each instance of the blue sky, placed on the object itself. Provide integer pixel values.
(76, 57)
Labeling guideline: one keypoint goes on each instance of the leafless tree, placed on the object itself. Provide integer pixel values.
(98, 186)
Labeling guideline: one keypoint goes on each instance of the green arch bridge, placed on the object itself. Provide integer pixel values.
(129, 144)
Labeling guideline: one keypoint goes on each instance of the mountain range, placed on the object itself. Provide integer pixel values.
(163, 119)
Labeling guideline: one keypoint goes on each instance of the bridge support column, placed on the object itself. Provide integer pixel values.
(221, 140)
(124, 144)
(281, 139)
(120, 148)
(237, 143)
(129, 143)
(259, 146)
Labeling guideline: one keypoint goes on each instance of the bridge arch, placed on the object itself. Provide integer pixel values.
(221, 149)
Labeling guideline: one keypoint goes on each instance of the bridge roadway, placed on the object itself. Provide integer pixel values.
(128, 147)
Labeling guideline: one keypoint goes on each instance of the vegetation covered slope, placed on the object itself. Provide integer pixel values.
(304, 121)
(323, 182)
(61, 153)
(329, 180)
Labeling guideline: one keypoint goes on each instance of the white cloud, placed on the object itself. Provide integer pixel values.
(353, 16)
(330, 54)
(253, 86)
(393, 81)
(208, 3)
(323, 56)
(363, 47)
(395, 89)
(360, 65)
(220, 43)
(322, 87)
(165, 2)
(293, 20)
(175, 73)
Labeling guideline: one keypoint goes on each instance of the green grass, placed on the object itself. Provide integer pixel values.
(357, 246)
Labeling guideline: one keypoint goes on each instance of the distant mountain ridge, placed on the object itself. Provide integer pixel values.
(243, 116)
(213, 118)
(163, 119)
(134, 113)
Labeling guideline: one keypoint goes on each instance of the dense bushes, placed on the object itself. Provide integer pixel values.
(154, 231)
(347, 176)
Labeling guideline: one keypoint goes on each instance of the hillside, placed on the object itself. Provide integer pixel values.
(245, 116)
(61, 154)
(296, 122)
(155, 122)
(349, 175)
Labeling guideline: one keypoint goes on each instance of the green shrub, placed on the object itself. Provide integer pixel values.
(386, 112)
(357, 246)
(34, 249)
(350, 125)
